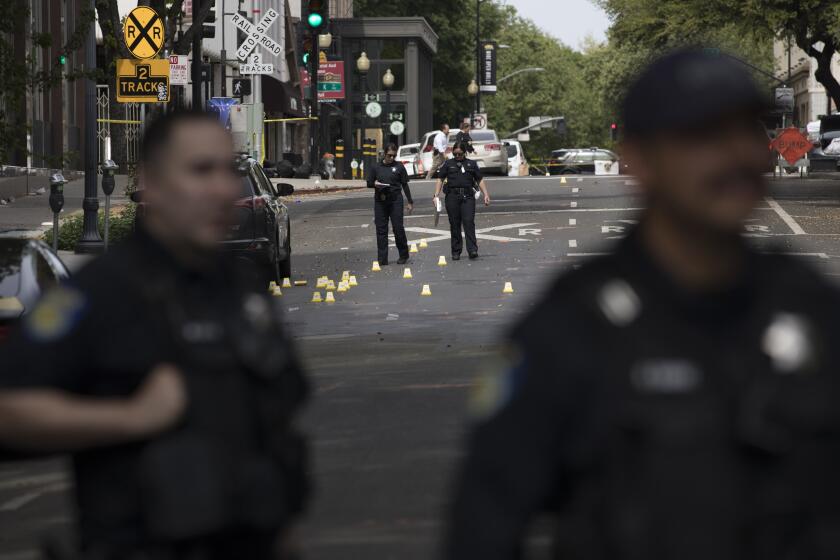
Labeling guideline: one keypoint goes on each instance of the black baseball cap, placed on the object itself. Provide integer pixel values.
(690, 89)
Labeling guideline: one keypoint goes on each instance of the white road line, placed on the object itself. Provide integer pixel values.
(575, 189)
(33, 480)
(573, 204)
(18, 502)
(587, 254)
(572, 243)
(786, 218)
(572, 222)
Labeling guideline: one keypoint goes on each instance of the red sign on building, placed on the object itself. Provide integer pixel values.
(792, 145)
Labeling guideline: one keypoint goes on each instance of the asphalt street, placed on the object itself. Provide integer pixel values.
(392, 369)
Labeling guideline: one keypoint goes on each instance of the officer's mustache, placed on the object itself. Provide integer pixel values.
(735, 178)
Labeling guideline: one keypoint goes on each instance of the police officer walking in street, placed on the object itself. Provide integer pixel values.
(464, 137)
(463, 179)
(677, 399)
(390, 179)
(164, 370)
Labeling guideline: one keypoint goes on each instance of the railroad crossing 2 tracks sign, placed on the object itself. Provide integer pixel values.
(256, 34)
(143, 32)
(143, 81)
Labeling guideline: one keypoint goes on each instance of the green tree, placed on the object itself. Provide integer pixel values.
(745, 27)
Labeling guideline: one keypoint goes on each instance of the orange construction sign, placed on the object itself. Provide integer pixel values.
(792, 144)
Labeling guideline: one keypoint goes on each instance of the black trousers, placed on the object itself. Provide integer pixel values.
(391, 208)
(461, 211)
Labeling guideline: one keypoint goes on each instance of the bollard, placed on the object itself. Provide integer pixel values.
(339, 159)
(57, 182)
(109, 168)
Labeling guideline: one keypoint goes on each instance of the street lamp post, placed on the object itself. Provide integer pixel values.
(520, 71)
(388, 82)
(472, 89)
(363, 66)
(477, 56)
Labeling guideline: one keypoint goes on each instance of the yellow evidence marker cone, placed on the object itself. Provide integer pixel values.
(287, 283)
(442, 261)
(414, 248)
(353, 282)
(423, 244)
(508, 288)
(272, 285)
(426, 291)
(321, 282)
(345, 275)
(300, 282)
(375, 267)
(316, 297)
(342, 287)
(407, 273)
(330, 286)
(276, 291)
(330, 298)
(562, 180)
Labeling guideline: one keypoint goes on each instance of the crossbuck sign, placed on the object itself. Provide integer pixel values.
(256, 36)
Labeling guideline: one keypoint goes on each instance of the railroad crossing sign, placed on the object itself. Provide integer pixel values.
(256, 34)
(792, 144)
(143, 32)
(142, 81)
(256, 66)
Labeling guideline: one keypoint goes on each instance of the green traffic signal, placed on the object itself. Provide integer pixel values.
(62, 59)
(305, 59)
(315, 20)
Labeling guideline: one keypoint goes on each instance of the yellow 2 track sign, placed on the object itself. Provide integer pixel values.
(145, 80)
(143, 32)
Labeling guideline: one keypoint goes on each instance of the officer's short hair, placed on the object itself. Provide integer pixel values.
(463, 146)
(465, 125)
(392, 148)
(159, 132)
(444, 125)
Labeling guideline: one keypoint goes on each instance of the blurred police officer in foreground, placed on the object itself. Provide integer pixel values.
(680, 398)
(463, 179)
(164, 370)
(389, 178)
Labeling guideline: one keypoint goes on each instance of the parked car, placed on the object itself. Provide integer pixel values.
(408, 156)
(578, 161)
(490, 153)
(261, 231)
(27, 269)
(517, 164)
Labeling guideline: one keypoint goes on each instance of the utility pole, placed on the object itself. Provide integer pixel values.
(223, 53)
(314, 64)
(478, 55)
(197, 61)
(90, 242)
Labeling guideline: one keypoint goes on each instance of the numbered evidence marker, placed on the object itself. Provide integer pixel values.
(143, 32)
(143, 81)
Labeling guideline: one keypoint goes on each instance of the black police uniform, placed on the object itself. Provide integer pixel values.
(389, 181)
(230, 477)
(663, 424)
(464, 138)
(462, 180)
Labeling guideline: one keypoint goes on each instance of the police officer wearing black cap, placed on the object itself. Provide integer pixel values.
(460, 179)
(164, 369)
(677, 399)
(390, 179)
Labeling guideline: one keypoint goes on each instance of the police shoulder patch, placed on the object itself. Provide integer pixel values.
(497, 384)
(55, 315)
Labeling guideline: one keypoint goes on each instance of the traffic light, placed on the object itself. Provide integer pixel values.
(306, 51)
(208, 30)
(62, 60)
(613, 132)
(317, 15)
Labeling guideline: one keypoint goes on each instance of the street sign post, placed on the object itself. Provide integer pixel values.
(330, 81)
(256, 34)
(256, 66)
(479, 121)
(143, 32)
(791, 144)
(142, 81)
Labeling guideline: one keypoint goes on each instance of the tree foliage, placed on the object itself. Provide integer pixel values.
(745, 27)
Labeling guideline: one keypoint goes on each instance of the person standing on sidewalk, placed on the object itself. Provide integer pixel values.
(390, 179)
(463, 180)
(164, 369)
(439, 146)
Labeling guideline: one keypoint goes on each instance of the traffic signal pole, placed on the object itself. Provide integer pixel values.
(314, 63)
(197, 60)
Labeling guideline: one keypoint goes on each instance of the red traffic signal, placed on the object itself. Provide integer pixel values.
(613, 126)
(613, 132)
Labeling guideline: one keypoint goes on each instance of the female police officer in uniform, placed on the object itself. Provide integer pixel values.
(390, 178)
(462, 176)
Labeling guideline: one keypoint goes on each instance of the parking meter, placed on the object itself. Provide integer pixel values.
(57, 182)
(109, 168)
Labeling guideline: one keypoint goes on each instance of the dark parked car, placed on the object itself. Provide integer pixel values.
(578, 161)
(27, 269)
(261, 231)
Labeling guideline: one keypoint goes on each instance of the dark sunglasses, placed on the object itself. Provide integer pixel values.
(457, 154)
(388, 155)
